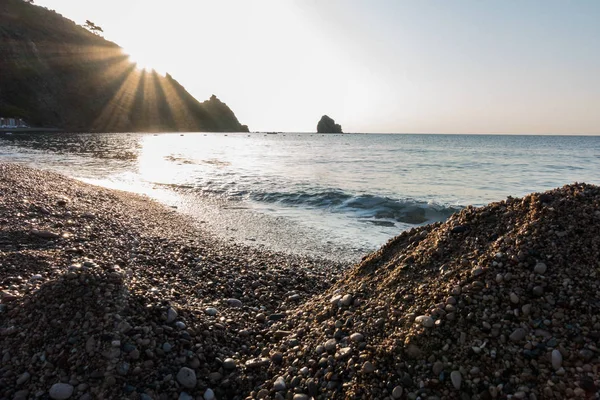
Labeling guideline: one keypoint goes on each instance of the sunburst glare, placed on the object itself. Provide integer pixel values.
(146, 62)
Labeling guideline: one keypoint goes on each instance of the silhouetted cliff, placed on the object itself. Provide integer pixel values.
(56, 73)
(328, 125)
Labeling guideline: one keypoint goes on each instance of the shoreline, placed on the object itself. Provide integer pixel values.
(59, 238)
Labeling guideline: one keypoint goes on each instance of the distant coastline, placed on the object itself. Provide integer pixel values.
(30, 130)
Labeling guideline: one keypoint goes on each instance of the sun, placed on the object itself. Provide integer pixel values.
(146, 62)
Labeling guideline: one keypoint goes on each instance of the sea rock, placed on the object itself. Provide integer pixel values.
(187, 378)
(328, 125)
(61, 391)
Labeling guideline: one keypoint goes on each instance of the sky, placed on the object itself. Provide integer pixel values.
(430, 66)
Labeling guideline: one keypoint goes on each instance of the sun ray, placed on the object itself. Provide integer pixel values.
(116, 113)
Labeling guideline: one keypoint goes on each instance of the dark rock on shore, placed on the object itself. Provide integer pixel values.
(328, 125)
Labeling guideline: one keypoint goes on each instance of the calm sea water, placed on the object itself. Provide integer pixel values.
(334, 195)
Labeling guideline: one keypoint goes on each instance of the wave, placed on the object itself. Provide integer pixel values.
(371, 208)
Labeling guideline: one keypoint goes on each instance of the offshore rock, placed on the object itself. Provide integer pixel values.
(328, 125)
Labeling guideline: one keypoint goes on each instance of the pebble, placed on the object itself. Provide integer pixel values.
(279, 384)
(330, 345)
(45, 234)
(514, 298)
(557, 359)
(368, 367)
(209, 394)
(456, 379)
(518, 335)
(335, 300)
(437, 368)
(397, 392)
(185, 396)
(171, 315)
(61, 391)
(187, 378)
(24, 377)
(425, 321)
(229, 363)
(357, 337)
(346, 300)
(235, 303)
(211, 311)
(540, 268)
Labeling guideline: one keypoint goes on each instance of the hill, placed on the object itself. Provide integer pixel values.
(56, 73)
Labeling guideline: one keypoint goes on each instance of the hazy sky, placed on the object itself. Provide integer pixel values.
(504, 66)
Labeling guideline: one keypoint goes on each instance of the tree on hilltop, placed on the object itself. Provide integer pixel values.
(92, 27)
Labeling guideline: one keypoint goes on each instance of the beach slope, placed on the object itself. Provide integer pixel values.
(106, 294)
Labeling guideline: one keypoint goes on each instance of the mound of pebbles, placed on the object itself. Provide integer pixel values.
(108, 295)
(501, 301)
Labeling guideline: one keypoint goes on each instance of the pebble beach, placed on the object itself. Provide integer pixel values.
(106, 294)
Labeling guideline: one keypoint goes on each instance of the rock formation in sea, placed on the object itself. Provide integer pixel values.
(328, 125)
(55, 73)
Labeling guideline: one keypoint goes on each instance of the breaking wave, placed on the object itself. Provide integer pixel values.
(375, 209)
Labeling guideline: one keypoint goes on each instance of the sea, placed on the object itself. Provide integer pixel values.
(333, 196)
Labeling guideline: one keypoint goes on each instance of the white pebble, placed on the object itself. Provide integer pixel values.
(425, 321)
